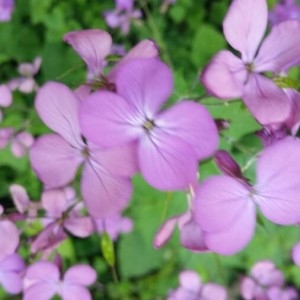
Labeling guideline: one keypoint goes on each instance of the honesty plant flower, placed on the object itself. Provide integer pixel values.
(6, 9)
(263, 276)
(20, 141)
(283, 11)
(5, 98)
(9, 236)
(277, 293)
(105, 180)
(62, 215)
(26, 83)
(169, 143)
(224, 206)
(93, 45)
(11, 268)
(113, 225)
(122, 16)
(191, 288)
(228, 76)
(43, 281)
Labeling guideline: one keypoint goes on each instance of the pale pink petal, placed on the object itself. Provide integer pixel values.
(82, 92)
(5, 135)
(26, 85)
(20, 197)
(198, 130)
(54, 202)
(296, 254)
(124, 5)
(92, 45)
(36, 65)
(12, 263)
(145, 83)
(11, 282)
(79, 226)
(236, 236)
(248, 288)
(108, 120)
(266, 274)
(267, 102)
(144, 49)
(5, 96)
(212, 291)
(21, 142)
(54, 160)
(9, 237)
(165, 232)
(166, 162)
(224, 76)
(219, 201)
(43, 271)
(190, 280)
(245, 25)
(81, 275)
(278, 183)
(58, 107)
(104, 194)
(40, 290)
(281, 49)
(75, 292)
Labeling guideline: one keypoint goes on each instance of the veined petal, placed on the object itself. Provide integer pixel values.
(58, 107)
(144, 49)
(81, 275)
(191, 123)
(245, 25)
(219, 201)
(54, 160)
(92, 45)
(278, 182)
(233, 238)
(108, 120)
(166, 162)
(281, 48)
(224, 76)
(79, 226)
(267, 102)
(104, 193)
(145, 83)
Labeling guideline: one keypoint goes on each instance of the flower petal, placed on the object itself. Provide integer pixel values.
(43, 271)
(267, 102)
(104, 193)
(212, 291)
(166, 162)
(296, 254)
(145, 83)
(281, 48)
(75, 292)
(40, 290)
(9, 237)
(54, 160)
(5, 96)
(81, 275)
(58, 107)
(54, 202)
(245, 25)
(79, 226)
(198, 130)
(190, 280)
(224, 76)
(92, 45)
(219, 200)
(278, 182)
(108, 120)
(20, 197)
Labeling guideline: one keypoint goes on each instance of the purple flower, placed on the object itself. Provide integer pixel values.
(277, 293)
(6, 9)
(228, 76)
(263, 275)
(26, 83)
(169, 143)
(283, 11)
(296, 254)
(105, 180)
(5, 98)
(191, 288)
(11, 268)
(224, 206)
(122, 16)
(43, 281)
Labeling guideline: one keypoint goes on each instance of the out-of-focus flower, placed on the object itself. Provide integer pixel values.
(5, 98)
(122, 15)
(284, 10)
(277, 293)
(191, 288)
(26, 83)
(20, 141)
(6, 9)
(43, 281)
